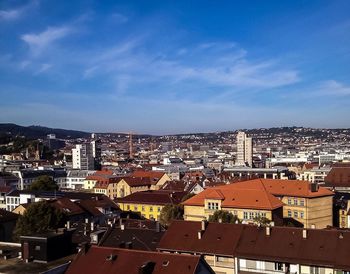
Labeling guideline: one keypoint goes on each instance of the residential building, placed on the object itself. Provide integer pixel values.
(303, 203)
(245, 203)
(82, 156)
(237, 248)
(98, 176)
(75, 179)
(244, 150)
(4, 190)
(114, 260)
(149, 203)
(339, 178)
(7, 225)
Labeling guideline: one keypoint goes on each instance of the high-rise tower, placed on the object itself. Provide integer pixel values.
(244, 150)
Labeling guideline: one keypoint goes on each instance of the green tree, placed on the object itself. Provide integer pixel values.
(170, 213)
(262, 221)
(39, 218)
(224, 217)
(45, 183)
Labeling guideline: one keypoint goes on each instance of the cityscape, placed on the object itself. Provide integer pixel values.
(172, 137)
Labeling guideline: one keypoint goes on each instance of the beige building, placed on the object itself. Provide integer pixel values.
(244, 150)
(303, 204)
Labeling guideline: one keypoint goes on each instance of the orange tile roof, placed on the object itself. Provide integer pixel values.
(294, 188)
(234, 197)
(148, 174)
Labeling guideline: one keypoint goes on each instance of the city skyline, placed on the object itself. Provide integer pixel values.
(163, 68)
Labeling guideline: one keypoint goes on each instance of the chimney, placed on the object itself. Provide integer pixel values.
(122, 227)
(304, 233)
(268, 231)
(200, 234)
(86, 220)
(157, 227)
(203, 225)
(92, 226)
(272, 224)
(314, 187)
(68, 225)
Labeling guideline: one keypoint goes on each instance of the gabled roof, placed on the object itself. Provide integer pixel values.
(235, 197)
(338, 177)
(318, 247)
(295, 188)
(113, 260)
(137, 181)
(220, 239)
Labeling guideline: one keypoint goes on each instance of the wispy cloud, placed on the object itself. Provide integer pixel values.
(14, 14)
(332, 88)
(119, 18)
(38, 42)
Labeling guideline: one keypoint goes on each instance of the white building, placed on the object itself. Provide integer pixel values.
(82, 157)
(244, 150)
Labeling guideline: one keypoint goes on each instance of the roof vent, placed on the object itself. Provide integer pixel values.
(268, 231)
(147, 267)
(111, 257)
(200, 234)
(304, 233)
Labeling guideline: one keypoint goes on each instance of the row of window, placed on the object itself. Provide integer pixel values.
(143, 208)
(213, 206)
(12, 200)
(296, 201)
(250, 215)
(296, 214)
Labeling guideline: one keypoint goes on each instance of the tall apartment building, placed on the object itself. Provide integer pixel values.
(244, 150)
(83, 157)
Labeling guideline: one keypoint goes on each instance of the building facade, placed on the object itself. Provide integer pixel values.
(244, 150)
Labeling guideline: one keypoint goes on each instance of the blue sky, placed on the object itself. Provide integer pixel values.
(175, 66)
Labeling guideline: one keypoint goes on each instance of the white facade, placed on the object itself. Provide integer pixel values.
(244, 150)
(82, 157)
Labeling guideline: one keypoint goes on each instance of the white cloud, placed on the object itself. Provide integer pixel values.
(9, 14)
(15, 14)
(332, 87)
(40, 41)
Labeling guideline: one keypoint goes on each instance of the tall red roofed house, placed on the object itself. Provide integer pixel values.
(308, 204)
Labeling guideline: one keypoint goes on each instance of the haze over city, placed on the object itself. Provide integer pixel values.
(163, 67)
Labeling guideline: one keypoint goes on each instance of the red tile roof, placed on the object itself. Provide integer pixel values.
(113, 260)
(155, 197)
(220, 239)
(235, 197)
(276, 187)
(338, 177)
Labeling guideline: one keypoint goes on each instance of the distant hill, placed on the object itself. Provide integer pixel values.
(35, 132)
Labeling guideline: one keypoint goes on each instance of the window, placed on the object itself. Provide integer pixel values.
(245, 215)
(289, 201)
(127, 207)
(289, 213)
(158, 209)
(151, 209)
(314, 270)
(251, 215)
(295, 201)
(135, 208)
(302, 214)
(213, 206)
(142, 208)
(295, 214)
(302, 202)
(279, 266)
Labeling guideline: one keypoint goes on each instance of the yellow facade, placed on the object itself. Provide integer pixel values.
(148, 211)
(198, 213)
(110, 191)
(311, 212)
(123, 189)
(89, 184)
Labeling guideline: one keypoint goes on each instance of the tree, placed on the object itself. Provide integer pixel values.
(39, 218)
(45, 183)
(263, 221)
(170, 213)
(223, 217)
